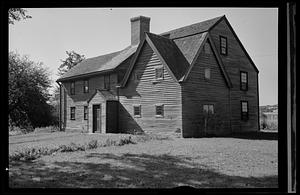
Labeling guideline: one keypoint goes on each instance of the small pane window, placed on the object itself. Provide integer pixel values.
(208, 109)
(244, 80)
(137, 110)
(223, 45)
(106, 82)
(85, 113)
(159, 110)
(72, 88)
(85, 86)
(72, 115)
(207, 73)
(244, 110)
(159, 73)
(207, 48)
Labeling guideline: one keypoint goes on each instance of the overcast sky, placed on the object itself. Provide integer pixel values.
(93, 32)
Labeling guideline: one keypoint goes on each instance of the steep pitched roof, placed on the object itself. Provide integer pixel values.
(99, 64)
(168, 53)
(104, 93)
(192, 29)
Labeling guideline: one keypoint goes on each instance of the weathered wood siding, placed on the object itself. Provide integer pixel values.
(234, 62)
(197, 91)
(147, 94)
(79, 100)
(112, 116)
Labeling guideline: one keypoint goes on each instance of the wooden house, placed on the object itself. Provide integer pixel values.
(197, 80)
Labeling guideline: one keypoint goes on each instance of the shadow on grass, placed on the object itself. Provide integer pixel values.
(256, 135)
(128, 171)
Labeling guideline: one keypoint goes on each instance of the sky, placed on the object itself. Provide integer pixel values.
(97, 31)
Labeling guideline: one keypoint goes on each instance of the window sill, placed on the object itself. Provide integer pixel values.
(157, 81)
(137, 116)
(159, 116)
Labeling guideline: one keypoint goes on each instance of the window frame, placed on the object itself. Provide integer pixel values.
(72, 114)
(140, 111)
(163, 110)
(226, 46)
(205, 73)
(159, 78)
(85, 112)
(244, 117)
(207, 49)
(72, 88)
(84, 86)
(241, 83)
(208, 109)
(106, 85)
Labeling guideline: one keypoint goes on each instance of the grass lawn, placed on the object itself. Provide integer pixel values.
(201, 163)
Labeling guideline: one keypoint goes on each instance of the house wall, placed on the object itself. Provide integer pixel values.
(97, 99)
(234, 62)
(148, 93)
(79, 100)
(197, 91)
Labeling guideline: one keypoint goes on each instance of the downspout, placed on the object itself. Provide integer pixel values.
(60, 128)
(118, 109)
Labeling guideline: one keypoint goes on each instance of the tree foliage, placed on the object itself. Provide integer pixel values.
(16, 14)
(72, 60)
(28, 93)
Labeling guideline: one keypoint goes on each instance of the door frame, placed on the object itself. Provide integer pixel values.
(94, 123)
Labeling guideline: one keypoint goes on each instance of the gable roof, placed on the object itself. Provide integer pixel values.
(168, 53)
(193, 28)
(99, 64)
(104, 93)
(207, 37)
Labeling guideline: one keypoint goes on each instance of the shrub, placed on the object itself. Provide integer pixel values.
(92, 144)
(71, 148)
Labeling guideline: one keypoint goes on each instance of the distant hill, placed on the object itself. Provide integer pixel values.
(268, 108)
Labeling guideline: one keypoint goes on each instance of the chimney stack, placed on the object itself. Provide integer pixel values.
(139, 25)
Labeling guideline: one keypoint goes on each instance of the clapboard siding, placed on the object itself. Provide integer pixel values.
(197, 91)
(147, 93)
(234, 62)
(79, 100)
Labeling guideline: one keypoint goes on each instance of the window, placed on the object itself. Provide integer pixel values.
(85, 86)
(159, 73)
(244, 110)
(223, 45)
(107, 82)
(159, 110)
(72, 116)
(136, 76)
(208, 109)
(137, 110)
(207, 48)
(207, 73)
(85, 113)
(244, 80)
(72, 88)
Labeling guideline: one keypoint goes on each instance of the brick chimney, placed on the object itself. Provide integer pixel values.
(139, 25)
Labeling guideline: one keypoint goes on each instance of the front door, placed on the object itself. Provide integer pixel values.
(97, 118)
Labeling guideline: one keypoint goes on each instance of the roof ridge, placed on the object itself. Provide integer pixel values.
(194, 24)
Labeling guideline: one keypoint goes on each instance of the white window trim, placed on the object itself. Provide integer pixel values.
(137, 105)
(161, 78)
(163, 108)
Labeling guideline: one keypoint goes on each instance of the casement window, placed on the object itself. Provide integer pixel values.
(85, 113)
(244, 80)
(208, 109)
(72, 113)
(207, 73)
(107, 81)
(159, 73)
(223, 45)
(85, 86)
(207, 48)
(244, 110)
(72, 88)
(137, 110)
(159, 110)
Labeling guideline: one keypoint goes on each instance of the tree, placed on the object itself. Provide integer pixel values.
(72, 60)
(28, 85)
(16, 14)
